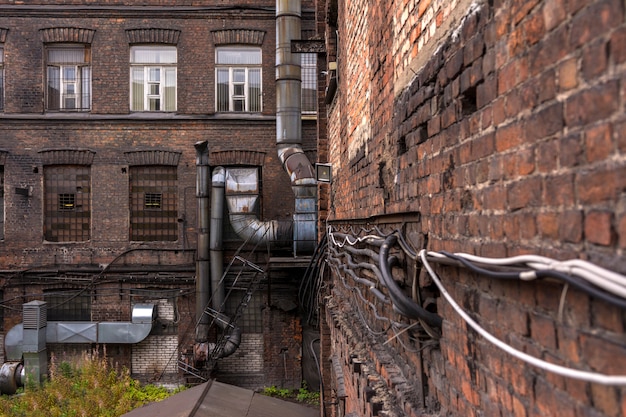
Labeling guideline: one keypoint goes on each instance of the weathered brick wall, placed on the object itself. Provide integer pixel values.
(495, 129)
(109, 130)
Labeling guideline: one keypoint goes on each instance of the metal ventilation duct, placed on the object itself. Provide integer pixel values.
(143, 316)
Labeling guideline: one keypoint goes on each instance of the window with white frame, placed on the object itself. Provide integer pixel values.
(68, 77)
(309, 83)
(153, 78)
(238, 79)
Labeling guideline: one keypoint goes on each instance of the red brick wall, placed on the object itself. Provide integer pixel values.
(496, 129)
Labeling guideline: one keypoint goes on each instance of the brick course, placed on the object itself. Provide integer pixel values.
(505, 138)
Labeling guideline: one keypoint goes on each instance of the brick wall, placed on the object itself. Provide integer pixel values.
(495, 129)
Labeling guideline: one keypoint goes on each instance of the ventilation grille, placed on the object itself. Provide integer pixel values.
(34, 315)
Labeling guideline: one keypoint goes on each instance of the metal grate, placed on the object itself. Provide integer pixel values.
(34, 315)
(68, 305)
(67, 203)
(153, 203)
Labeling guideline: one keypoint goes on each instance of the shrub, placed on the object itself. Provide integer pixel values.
(91, 388)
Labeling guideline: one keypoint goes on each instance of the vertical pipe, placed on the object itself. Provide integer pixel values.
(202, 255)
(289, 126)
(217, 214)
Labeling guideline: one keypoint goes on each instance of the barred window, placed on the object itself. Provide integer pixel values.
(68, 305)
(1, 78)
(67, 203)
(251, 318)
(238, 79)
(153, 195)
(69, 78)
(153, 78)
(1, 202)
(309, 83)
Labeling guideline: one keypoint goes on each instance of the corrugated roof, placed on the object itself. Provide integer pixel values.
(216, 399)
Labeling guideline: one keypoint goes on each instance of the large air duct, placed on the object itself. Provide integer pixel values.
(289, 126)
(21, 337)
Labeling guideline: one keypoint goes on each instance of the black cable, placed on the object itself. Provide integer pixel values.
(403, 304)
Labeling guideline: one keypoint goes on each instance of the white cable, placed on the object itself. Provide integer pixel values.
(600, 277)
(547, 366)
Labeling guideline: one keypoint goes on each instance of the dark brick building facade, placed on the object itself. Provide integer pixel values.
(492, 128)
(102, 103)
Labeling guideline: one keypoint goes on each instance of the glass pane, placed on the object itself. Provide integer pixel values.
(70, 55)
(222, 90)
(239, 56)
(154, 89)
(137, 92)
(238, 89)
(169, 93)
(155, 104)
(239, 105)
(239, 75)
(54, 88)
(254, 90)
(69, 73)
(154, 74)
(153, 55)
(86, 87)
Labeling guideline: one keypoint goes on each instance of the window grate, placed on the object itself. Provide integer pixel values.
(309, 83)
(67, 203)
(153, 203)
(68, 305)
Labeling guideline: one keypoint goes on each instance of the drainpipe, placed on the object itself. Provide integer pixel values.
(289, 126)
(217, 214)
(202, 261)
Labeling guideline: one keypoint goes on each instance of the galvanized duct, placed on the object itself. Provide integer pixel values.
(143, 316)
(289, 126)
(207, 350)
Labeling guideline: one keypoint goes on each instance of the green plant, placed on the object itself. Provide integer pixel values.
(89, 388)
(302, 395)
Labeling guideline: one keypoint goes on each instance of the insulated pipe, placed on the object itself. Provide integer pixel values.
(202, 261)
(216, 235)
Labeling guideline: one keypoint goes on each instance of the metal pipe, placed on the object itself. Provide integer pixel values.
(289, 126)
(202, 255)
(216, 236)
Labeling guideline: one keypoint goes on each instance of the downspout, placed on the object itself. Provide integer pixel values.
(202, 255)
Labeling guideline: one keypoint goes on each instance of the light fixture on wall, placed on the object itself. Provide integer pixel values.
(323, 172)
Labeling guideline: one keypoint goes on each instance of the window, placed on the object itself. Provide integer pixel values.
(238, 79)
(67, 203)
(68, 305)
(1, 202)
(153, 78)
(1, 78)
(153, 195)
(69, 78)
(309, 83)
(250, 312)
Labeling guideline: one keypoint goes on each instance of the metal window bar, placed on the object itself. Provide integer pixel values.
(153, 203)
(67, 212)
(309, 83)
